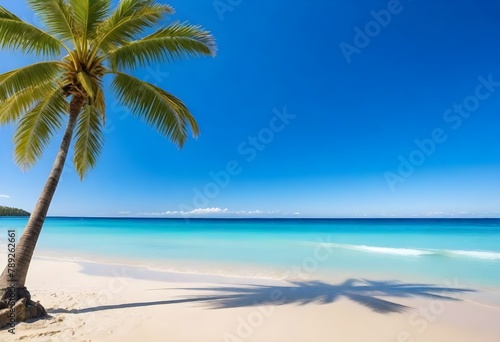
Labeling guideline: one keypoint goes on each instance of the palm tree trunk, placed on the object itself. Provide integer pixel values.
(27, 242)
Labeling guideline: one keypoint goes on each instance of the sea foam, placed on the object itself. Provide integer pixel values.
(476, 254)
(393, 251)
(414, 252)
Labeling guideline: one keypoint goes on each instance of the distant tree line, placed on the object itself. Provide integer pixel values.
(8, 211)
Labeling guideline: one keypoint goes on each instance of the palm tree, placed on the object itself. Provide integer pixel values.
(88, 40)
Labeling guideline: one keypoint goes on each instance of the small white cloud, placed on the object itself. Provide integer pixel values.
(124, 212)
(4, 196)
(217, 211)
(436, 213)
(201, 211)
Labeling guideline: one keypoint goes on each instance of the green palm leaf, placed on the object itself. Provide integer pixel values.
(100, 103)
(18, 104)
(30, 76)
(89, 14)
(87, 82)
(160, 109)
(37, 127)
(34, 97)
(129, 19)
(89, 139)
(7, 15)
(57, 18)
(16, 34)
(174, 41)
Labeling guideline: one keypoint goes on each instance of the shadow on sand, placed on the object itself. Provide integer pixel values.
(364, 292)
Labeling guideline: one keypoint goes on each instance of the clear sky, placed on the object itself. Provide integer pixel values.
(310, 109)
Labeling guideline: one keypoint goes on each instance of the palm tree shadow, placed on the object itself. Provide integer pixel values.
(365, 292)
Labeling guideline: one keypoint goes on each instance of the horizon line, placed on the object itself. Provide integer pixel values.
(274, 218)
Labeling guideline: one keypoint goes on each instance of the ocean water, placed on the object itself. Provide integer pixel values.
(462, 251)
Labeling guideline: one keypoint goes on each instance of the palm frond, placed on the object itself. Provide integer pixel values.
(30, 76)
(100, 103)
(57, 18)
(87, 82)
(158, 108)
(21, 102)
(131, 18)
(89, 139)
(174, 41)
(16, 34)
(89, 14)
(7, 15)
(37, 127)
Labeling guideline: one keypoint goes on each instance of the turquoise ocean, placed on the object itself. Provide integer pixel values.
(466, 251)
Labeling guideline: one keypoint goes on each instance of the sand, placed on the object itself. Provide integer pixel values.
(96, 302)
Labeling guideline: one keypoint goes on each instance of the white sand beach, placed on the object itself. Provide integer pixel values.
(116, 303)
(249, 171)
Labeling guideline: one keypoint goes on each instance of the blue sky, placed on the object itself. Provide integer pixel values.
(307, 111)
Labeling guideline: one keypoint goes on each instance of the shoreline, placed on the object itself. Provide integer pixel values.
(420, 252)
(104, 302)
(225, 270)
